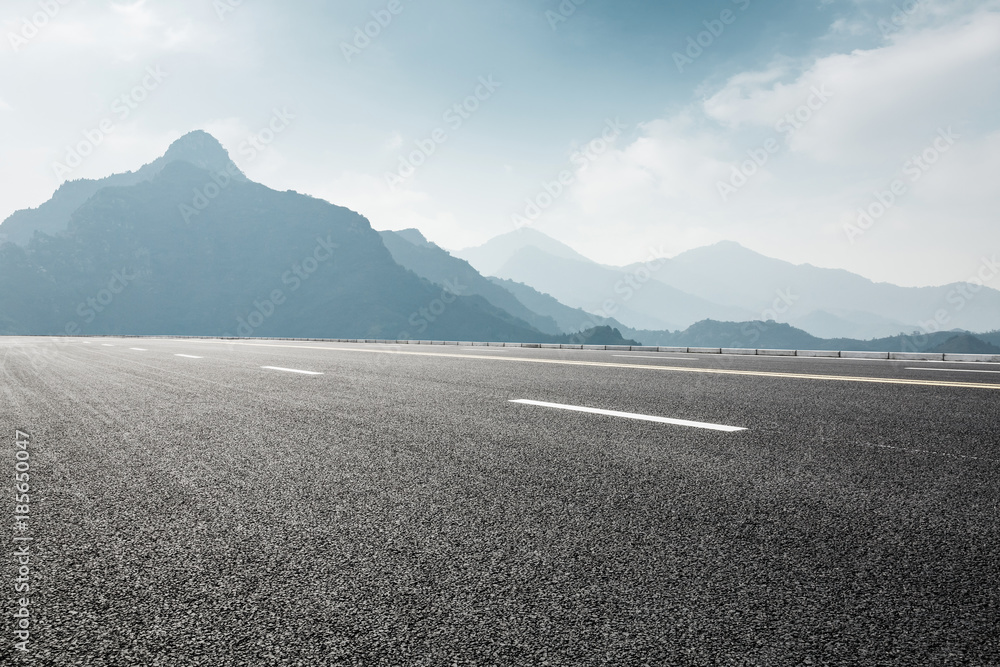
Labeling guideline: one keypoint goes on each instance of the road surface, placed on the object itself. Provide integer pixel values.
(306, 503)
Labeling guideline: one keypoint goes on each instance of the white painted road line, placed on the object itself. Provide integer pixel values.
(487, 349)
(952, 370)
(188, 356)
(107, 345)
(290, 370)
(650, 356)
(915, 382)
(138, 349)
(631, 415)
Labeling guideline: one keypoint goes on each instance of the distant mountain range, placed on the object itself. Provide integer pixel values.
(781, 336)
(728, 282)
(188, 245)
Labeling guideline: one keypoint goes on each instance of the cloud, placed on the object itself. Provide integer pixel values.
(871, 110)
(884, 100)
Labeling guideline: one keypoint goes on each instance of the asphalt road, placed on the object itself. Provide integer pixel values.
(399, 509)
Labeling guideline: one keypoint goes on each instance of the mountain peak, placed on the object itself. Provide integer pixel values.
(198, 148)
(202, 150)
(492, 255)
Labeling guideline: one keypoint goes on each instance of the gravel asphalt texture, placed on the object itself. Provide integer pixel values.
(400, 510)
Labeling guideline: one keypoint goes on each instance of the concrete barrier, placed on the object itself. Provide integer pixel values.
(863, 355)
(917, 356)
(846, 354)
(987, 358)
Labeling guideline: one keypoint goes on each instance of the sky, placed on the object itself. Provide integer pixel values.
(853, 134)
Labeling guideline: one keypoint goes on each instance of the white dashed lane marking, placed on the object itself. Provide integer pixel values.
(632, 415)
(290, 370)
(188, 356)
(655, 358)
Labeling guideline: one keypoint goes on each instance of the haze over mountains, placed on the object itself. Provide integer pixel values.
(726, 281)
(187, 245)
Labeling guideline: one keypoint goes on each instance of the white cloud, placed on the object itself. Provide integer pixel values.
(886, 104)
(884, 100)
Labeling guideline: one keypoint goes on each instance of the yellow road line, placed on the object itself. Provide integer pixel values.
(606, 364)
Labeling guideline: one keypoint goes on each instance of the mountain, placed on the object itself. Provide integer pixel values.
(411, 250)
(568, 319)
(826, 302)
(838, 323)
(631, 296)
(773, 335)
(991, 337)
(198, 148)
(965, 343)
(728, 282)
(602, 335)
(142, 254)
(495, 253)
